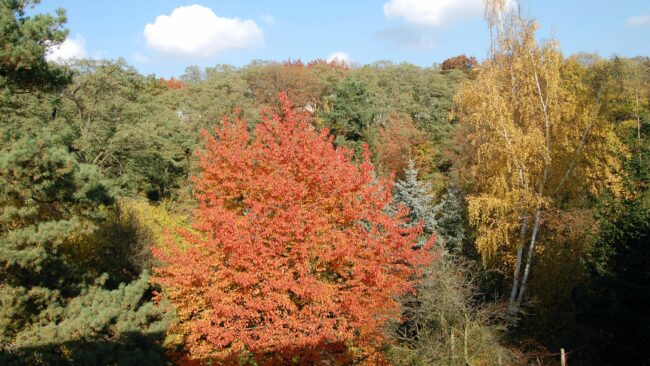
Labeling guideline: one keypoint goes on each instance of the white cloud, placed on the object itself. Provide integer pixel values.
(435, 13)
(340, 57)
(196, 31)
(638, 21)
(268, 19)
(71, 48)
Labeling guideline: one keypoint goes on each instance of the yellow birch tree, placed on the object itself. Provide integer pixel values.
(537, 141)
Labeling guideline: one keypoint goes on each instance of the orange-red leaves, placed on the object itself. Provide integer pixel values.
(172, 83)
(297, 256)
(400, 141)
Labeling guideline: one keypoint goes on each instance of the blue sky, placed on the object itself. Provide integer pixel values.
(210, 32)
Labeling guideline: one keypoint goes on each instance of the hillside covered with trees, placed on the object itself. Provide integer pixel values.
(322, 213)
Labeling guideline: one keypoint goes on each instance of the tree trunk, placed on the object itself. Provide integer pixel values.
(465, 350)
(638, 123)
(520, 253)
(452, 353)
(529, 258)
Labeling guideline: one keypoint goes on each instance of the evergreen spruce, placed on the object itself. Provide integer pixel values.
(416, 195)
(446, 220)
(451, 219)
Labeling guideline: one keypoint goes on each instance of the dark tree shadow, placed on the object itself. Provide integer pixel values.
(130, 350)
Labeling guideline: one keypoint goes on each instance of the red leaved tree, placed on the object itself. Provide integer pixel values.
(293, 256)
(460, 62)
(400, 141)
(172, 83)
(306, 85)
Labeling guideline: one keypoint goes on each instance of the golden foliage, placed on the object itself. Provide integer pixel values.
(535, 133)
(155, 220)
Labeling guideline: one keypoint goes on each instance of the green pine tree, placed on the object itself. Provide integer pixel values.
(350, 116)
(23, 44)
(451, 219)
(57, 308)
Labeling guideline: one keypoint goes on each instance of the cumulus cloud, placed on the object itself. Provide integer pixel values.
(340, 57)
(196, 31)
(638, 21)
(71, 48)
(434, 13)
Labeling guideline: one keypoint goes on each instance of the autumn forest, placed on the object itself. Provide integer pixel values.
(472, 212)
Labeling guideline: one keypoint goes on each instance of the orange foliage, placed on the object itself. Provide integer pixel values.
(461, 62)
(400, 141)
(305, 84)
(295, 259)
(172, 83)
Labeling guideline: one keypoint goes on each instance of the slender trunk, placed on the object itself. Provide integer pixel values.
(452, 353)
(96, 159)
(638, 124)
(529, 257)
(515, 281)
(547, 131)
(465, 336)
(520, 254)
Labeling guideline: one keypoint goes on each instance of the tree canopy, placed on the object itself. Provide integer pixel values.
(293, 253)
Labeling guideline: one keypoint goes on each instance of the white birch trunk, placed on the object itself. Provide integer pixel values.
(520, 254)
(529, 258)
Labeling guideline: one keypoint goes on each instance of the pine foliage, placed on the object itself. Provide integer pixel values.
(55, 307)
